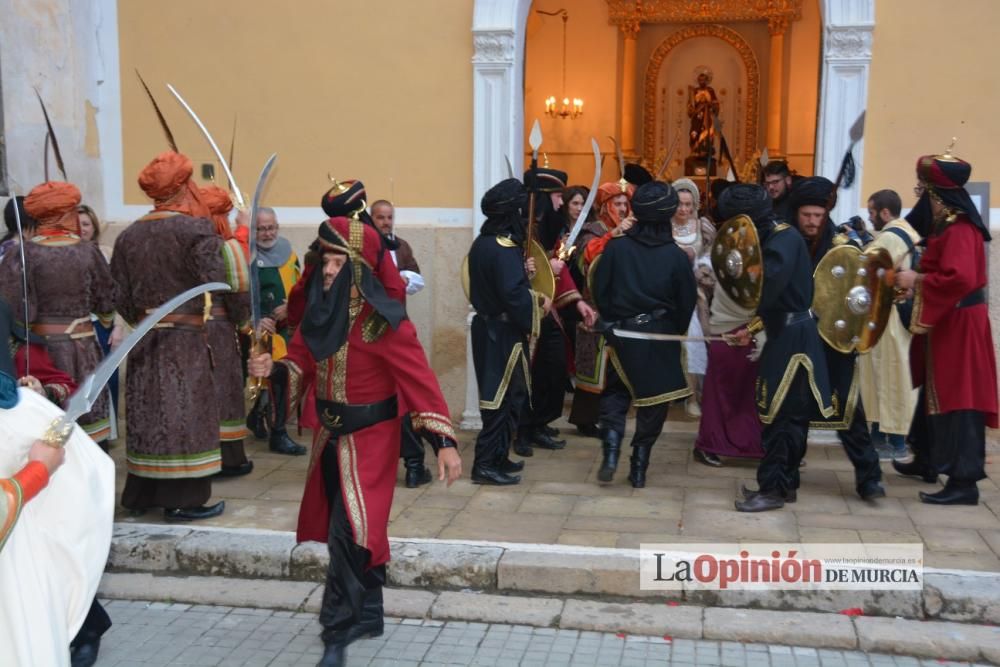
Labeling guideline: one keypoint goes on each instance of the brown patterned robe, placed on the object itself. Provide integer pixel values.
(67, 281)
(228, 312)
(173, 415)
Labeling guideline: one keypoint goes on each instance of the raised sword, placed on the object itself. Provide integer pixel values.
(258, 339)
(567, 247)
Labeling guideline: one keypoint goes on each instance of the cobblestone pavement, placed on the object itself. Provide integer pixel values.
(147, 634)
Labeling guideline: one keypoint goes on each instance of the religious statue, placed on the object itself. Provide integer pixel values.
(703, 107)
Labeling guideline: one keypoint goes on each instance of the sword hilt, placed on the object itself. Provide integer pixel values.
(58, 432)
(260, 343)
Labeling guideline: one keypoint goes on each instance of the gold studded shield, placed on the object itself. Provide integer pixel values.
(853, 297)
(543, 282)
(738, 261)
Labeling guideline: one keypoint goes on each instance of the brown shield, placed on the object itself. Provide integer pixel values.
(738, 261)
(853, 297)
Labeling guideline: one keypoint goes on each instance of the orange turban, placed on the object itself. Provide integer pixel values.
(219, 205)
(606, 193)
(54, 204)
(167, 181)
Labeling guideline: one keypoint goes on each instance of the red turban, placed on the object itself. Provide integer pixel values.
(167, 181)
(54, 204)
(606, 193)
(219, 205)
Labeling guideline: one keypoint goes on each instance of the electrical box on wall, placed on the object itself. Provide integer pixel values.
(208, 171)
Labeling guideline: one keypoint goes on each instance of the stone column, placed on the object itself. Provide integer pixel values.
(776, 85)
(630, 32)
(847, 55)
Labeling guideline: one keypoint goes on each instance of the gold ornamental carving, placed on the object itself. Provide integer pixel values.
(731, 37)
(632, 12)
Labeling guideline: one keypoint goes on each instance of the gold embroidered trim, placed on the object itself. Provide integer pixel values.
(505, 242)
(351, 485)
(853, 394)
(933, 402)
(374, 327)
(434, 422)
(800, 359)
(536, 313)
(517, 351)
(565, 299)
(648, 400)
(916, 325)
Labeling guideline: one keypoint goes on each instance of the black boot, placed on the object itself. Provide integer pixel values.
(760, 502)
(372, 617)
(492, 475)
(522, 445)
(84, 654)
(279, 442)
(416, 472)
(194, 513)
(640, 462)
(508, 466)
(953, 493)
(334, 655)
(540, 438)
(257, 419)
(915, 468)
(611, 447)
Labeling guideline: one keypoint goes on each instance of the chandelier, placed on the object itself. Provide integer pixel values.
(569, 108)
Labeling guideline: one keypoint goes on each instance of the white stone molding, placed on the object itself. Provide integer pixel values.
(471, 419)
(848, 29)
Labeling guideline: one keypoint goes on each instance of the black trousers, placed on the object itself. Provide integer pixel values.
(952, 444)
(350, 584)
(411, 447)
(615, 401)
(94, 626)
(548, 378)
(784, 439)
(857, 442)
(649, 424)
(499, 426)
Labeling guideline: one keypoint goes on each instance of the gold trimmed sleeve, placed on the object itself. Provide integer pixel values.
(536, 312)
(566, 299)
(433, 422)
(917, 326)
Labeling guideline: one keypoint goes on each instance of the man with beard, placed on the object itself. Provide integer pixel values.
(356, 344)
(778, 181)
(951, 355)
(793, 382)
(508, 311)
(172, 448)
(643, 282)
(809, 204)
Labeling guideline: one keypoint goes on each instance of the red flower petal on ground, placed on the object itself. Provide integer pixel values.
(668, 638)
(673, 603)
(620, 635)
(853, 611)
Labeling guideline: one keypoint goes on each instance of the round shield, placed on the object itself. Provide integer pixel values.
(738, 261)
(853, 297)
(544, 281)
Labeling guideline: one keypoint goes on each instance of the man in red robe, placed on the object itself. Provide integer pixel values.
(951, 354)
(356, 345)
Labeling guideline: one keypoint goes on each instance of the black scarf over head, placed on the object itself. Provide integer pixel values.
(653, 205)
(957, 199)
(502, 205)
(749, 200)
(814, 191)
(326, 323)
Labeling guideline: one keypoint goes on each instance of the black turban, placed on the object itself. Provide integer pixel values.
(637, 175)
(546, 179)
(344, 199)
(502, 205)
(654, 203)
(812, 191)
(744, 199)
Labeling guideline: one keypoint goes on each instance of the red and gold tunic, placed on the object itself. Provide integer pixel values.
(952, 350)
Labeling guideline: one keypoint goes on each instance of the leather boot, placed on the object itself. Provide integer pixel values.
(760, 502)
(541, 439)
(508, 466)
(334, 655)
(916, 469)
(522, 445)
(416, 472)
(953, 493)
(372, 618)
(640, 462)
(257, 419)
(493, 476)
(194, 513)
(611, 447)
(279, 442)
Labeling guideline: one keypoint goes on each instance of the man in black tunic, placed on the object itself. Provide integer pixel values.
(643, 282)
(507, 313)
(792, 383)
(809, 204)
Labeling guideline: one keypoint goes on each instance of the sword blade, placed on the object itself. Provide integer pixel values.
(85, 396)
(670, 154)
(24, 280)
(255, 315)
(591, 197)
(215, 147)
(639, 335)
(510, 167)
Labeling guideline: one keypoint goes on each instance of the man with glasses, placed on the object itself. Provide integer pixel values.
(778, 181)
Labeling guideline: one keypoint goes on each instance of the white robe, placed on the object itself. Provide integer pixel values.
(52, 562)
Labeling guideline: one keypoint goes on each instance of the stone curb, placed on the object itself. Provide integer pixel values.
(934, 640)
(959, 596)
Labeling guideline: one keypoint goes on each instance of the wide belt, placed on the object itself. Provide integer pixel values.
(502, 317)
(218, 312)
(973, 299)
(794, 318)
(59, 328)
(182, 322)
(642, 318)
(344, 418)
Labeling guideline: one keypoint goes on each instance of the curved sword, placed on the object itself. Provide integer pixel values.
(86, 394)
(258, 339)
(567, 247)
(24, 281)
(240, 202)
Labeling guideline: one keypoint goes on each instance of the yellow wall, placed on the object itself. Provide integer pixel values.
(932, 77)
(330, 85)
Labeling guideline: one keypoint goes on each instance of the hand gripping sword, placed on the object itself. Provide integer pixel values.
(259, 340)
(83, 399)
(567, 247)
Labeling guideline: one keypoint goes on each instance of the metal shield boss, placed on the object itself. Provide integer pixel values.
(543, 282)
(738, 261)
(853, 297)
